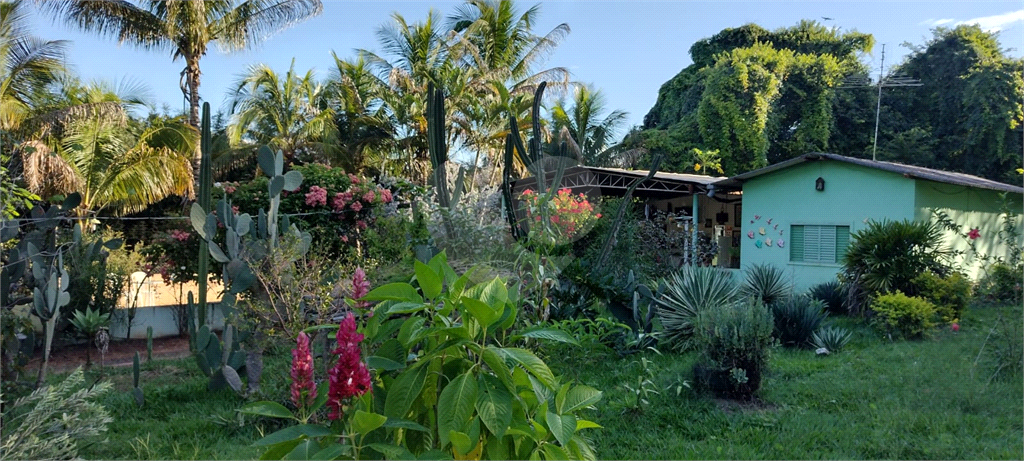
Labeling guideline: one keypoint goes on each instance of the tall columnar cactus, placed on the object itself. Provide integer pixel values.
(140, 398)
(533, 158)
(438, 147)
(205, 189)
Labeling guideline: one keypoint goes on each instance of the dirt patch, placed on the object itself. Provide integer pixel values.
(119, 354)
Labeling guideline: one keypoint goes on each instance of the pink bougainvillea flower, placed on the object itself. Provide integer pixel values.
(369, 197)
(316, 196)
(974, 233)
(356, 206)
(303, 387)
(361, 225)
(349, 377)
(385, 195)
(355, 179)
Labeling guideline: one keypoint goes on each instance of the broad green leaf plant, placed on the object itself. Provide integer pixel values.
(446, 383)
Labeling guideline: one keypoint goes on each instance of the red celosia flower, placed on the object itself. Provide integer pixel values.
(974, 233)
(349, 377)
(303, 388)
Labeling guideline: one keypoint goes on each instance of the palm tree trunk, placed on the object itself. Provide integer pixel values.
(192, 86)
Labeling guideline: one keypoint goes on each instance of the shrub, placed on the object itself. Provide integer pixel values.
(689, 292)
(796, 320)
(559, 220)
(886, 256)
(766, 283)
(950, 295)
(38, 426)
(833, 294)
(1004, 350)
(1001, 283)
(902, 315)
(832, 339)
(735, 341)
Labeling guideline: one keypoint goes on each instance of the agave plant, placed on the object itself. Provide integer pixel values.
(833, 294)
(766, 283)
(796, 319)
(90, 323)
(832, 339)
(688, 292)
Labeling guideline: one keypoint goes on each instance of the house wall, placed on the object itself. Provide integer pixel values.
(853, 194)
(970, 208)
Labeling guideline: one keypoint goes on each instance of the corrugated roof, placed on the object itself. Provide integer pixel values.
(688, 178)
(910, 171)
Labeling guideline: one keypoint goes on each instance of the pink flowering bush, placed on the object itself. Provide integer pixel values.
(336, 207)
(563, 219)
(172, 254)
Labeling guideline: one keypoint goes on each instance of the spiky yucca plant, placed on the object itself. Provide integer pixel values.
(832, 339)
(796, 319)
(833, 294)
(688, 292)
(766, 283)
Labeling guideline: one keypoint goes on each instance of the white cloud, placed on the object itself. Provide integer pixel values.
(997, 22)
(936, 22)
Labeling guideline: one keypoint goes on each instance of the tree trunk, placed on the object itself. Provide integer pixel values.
(192, 74)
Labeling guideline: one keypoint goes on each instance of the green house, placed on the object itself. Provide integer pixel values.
(799, 214)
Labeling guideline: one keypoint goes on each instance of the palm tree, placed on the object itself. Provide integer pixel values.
(286, 112)
(504, 45)
(27, 64)
(186, 28)
(581, 127)
(117, 165)
(359, 115)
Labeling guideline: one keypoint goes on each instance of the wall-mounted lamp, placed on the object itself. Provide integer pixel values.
(819, 184)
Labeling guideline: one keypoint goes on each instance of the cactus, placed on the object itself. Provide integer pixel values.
(136, 389)
(245, 241)
(205, 186)
(438, 147)
(149, 343)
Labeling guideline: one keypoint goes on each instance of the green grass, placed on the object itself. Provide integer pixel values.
(876, 400)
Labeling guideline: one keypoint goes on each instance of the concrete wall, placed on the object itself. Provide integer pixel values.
(853, 194)
(970, 208)
(163, 319)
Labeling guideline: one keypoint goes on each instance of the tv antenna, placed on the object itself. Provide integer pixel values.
(883, 82)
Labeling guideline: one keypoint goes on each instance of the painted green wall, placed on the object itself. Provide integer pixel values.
(852, 195)
(971, 208)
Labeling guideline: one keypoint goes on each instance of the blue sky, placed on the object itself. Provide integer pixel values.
(626, 49)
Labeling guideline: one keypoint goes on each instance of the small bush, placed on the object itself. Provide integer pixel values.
(689, 292)
(767, 283)
(796, 319)
(897, 314)
(1001, 283)
(950, 295)
(832, 339)
(735, 341)
(49, 423)
(833, 294)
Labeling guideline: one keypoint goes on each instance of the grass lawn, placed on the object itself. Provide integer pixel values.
(876, 400)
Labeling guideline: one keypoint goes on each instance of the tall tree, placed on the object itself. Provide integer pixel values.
(27, 64)
(586, 128)
(287, 112)
(186, 28)
(359, 116)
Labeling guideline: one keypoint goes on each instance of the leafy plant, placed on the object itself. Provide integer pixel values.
(688, 292)
(886, 256)
(903, 316)
(832, 339)
(833, 294)
(444, 384)
(949, 294)
(1001, 283)
(796, 320)
(638, 394)
(38, 427)
(766, 283)
(1003, 348)
(735, 342)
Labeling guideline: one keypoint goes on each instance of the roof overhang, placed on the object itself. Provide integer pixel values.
(615, 181)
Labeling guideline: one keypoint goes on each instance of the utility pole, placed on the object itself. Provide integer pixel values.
(883, 81)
